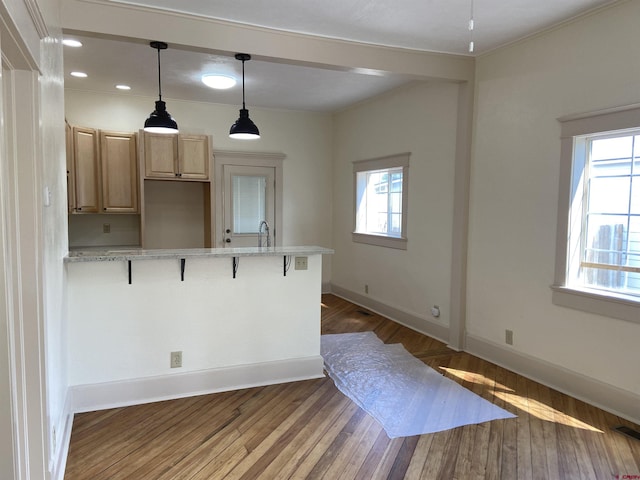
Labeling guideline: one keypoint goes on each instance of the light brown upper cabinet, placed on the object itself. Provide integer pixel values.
(71, 174)
(119, 172)
(102, 173)
(86, 170)
(177, 157)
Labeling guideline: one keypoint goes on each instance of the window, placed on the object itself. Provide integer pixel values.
(609, 248)
(598, 261)
(381, 201)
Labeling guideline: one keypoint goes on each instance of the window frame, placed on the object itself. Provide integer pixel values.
(400, 160)
(601, 302)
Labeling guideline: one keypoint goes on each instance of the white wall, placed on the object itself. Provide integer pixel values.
(305, 139)
(420, 119)
(87, 230)
(120, 331)
(55, 242)
(521, 90)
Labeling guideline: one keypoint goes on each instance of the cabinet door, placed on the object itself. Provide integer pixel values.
(85, 155)
(160, 155)
(71, 174)
(194, 153)
(119, 172)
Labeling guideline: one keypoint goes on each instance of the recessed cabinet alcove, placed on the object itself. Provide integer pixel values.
(176, 204)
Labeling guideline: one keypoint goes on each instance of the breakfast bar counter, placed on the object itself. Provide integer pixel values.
(239, 317)
(115, 254)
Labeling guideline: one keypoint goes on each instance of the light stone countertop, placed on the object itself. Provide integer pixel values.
(109, 254)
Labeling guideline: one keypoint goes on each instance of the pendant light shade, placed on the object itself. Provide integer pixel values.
(244, 128)
(160, 121)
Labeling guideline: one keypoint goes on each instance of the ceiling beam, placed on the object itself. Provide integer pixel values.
(202, 33)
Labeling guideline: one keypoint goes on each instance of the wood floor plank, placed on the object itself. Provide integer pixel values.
(332, 450)
(403, 458)
(317, 453)
(419, 457)
(508, 458)
(263, 453)
(348, 461)
(373, 458)
(180, 443)
(309, 430)
(494, 450)
(298, 452)
(539, 461)
(567, 460)
(479, 450)
(383, 470)
(523, 432)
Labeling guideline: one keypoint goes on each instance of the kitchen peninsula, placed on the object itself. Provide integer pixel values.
(239, 317)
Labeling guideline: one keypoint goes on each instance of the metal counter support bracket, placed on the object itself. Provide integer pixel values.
(129, 262)
(287, 264)
(235, 263)
(182, 263)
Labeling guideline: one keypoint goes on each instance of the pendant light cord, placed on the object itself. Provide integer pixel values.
(243, 106)
(159, 83)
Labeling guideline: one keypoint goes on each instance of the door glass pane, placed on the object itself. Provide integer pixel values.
(248, 203)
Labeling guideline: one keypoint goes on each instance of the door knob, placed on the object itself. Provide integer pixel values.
(228, 231)
(228, 240)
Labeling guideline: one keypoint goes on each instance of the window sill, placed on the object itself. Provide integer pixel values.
(613, 305)
(380, 240)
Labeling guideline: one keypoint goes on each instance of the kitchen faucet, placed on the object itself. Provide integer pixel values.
(261, 232)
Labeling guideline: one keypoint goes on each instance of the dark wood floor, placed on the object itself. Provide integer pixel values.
(309, 430)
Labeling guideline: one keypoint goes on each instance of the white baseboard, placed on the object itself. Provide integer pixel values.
(421, 325)
(101, 396)
(608, 397)
(58, 462)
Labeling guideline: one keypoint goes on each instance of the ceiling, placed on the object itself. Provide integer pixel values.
(423, 25)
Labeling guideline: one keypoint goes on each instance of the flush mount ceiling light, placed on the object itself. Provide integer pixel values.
(219, 82)
(79, 74)
(69, 42)
(244, 128)
(160, 121)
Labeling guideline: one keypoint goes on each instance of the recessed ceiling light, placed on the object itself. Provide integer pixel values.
(219, 82)
(79, 74)
(69, 42)
(123, 87)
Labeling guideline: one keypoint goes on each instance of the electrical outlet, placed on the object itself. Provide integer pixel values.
(508, 337)
(176, 359)
(366, 289)
(301, 263)
(106, 228)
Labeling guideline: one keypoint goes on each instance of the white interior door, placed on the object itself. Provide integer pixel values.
(249, 198)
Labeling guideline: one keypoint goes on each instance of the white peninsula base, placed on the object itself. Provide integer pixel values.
(261, 327)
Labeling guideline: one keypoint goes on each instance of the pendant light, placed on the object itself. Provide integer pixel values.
(160, 121)
(244, 128)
